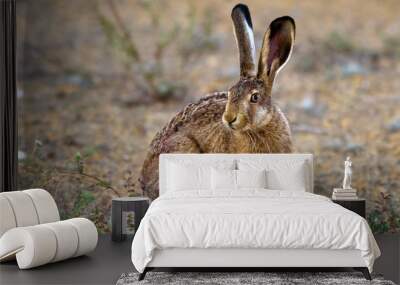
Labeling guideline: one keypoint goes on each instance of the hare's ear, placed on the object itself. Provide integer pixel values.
(276, 48)
(245, 39)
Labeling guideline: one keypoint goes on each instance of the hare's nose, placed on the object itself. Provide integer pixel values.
(232, 121)
(229, 119)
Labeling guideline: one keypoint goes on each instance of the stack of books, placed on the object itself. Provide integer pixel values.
(344, 194)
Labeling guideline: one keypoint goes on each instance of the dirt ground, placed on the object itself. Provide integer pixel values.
(82, 90)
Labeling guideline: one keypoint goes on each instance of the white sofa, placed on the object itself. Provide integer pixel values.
(31, 230)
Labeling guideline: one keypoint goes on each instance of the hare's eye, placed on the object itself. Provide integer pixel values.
(254, 98)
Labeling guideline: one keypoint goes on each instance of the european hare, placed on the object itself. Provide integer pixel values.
(241, 120)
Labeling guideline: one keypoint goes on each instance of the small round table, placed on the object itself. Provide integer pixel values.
(126, 214)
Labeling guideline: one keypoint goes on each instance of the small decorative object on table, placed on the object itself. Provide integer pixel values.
(127, 212)
(347, 196)
(346, 193)
(347, 173)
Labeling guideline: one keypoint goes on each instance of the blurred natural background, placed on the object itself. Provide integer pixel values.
(99, 78)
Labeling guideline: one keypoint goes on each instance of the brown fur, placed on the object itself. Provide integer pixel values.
(199, 129)
(233, 121)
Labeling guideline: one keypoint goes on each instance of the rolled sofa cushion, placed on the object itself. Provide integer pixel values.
(40, 244)
(87, 235)
(32, 246)
(23, 208)
(7, 218)
(45, 205)
(67, 240)
(26, 208)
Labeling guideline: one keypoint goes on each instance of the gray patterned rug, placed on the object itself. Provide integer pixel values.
(269, 278)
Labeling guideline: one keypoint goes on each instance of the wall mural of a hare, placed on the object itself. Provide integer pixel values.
(241, 120)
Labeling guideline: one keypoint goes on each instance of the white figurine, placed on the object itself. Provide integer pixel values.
(347, 174)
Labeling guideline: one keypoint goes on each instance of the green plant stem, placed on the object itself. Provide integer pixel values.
(102, 182)
(122, 27)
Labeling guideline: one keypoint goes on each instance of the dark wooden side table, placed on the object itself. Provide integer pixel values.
(126, 214)
(357, 205)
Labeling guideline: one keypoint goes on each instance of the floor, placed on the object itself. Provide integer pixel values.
(103, 266)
